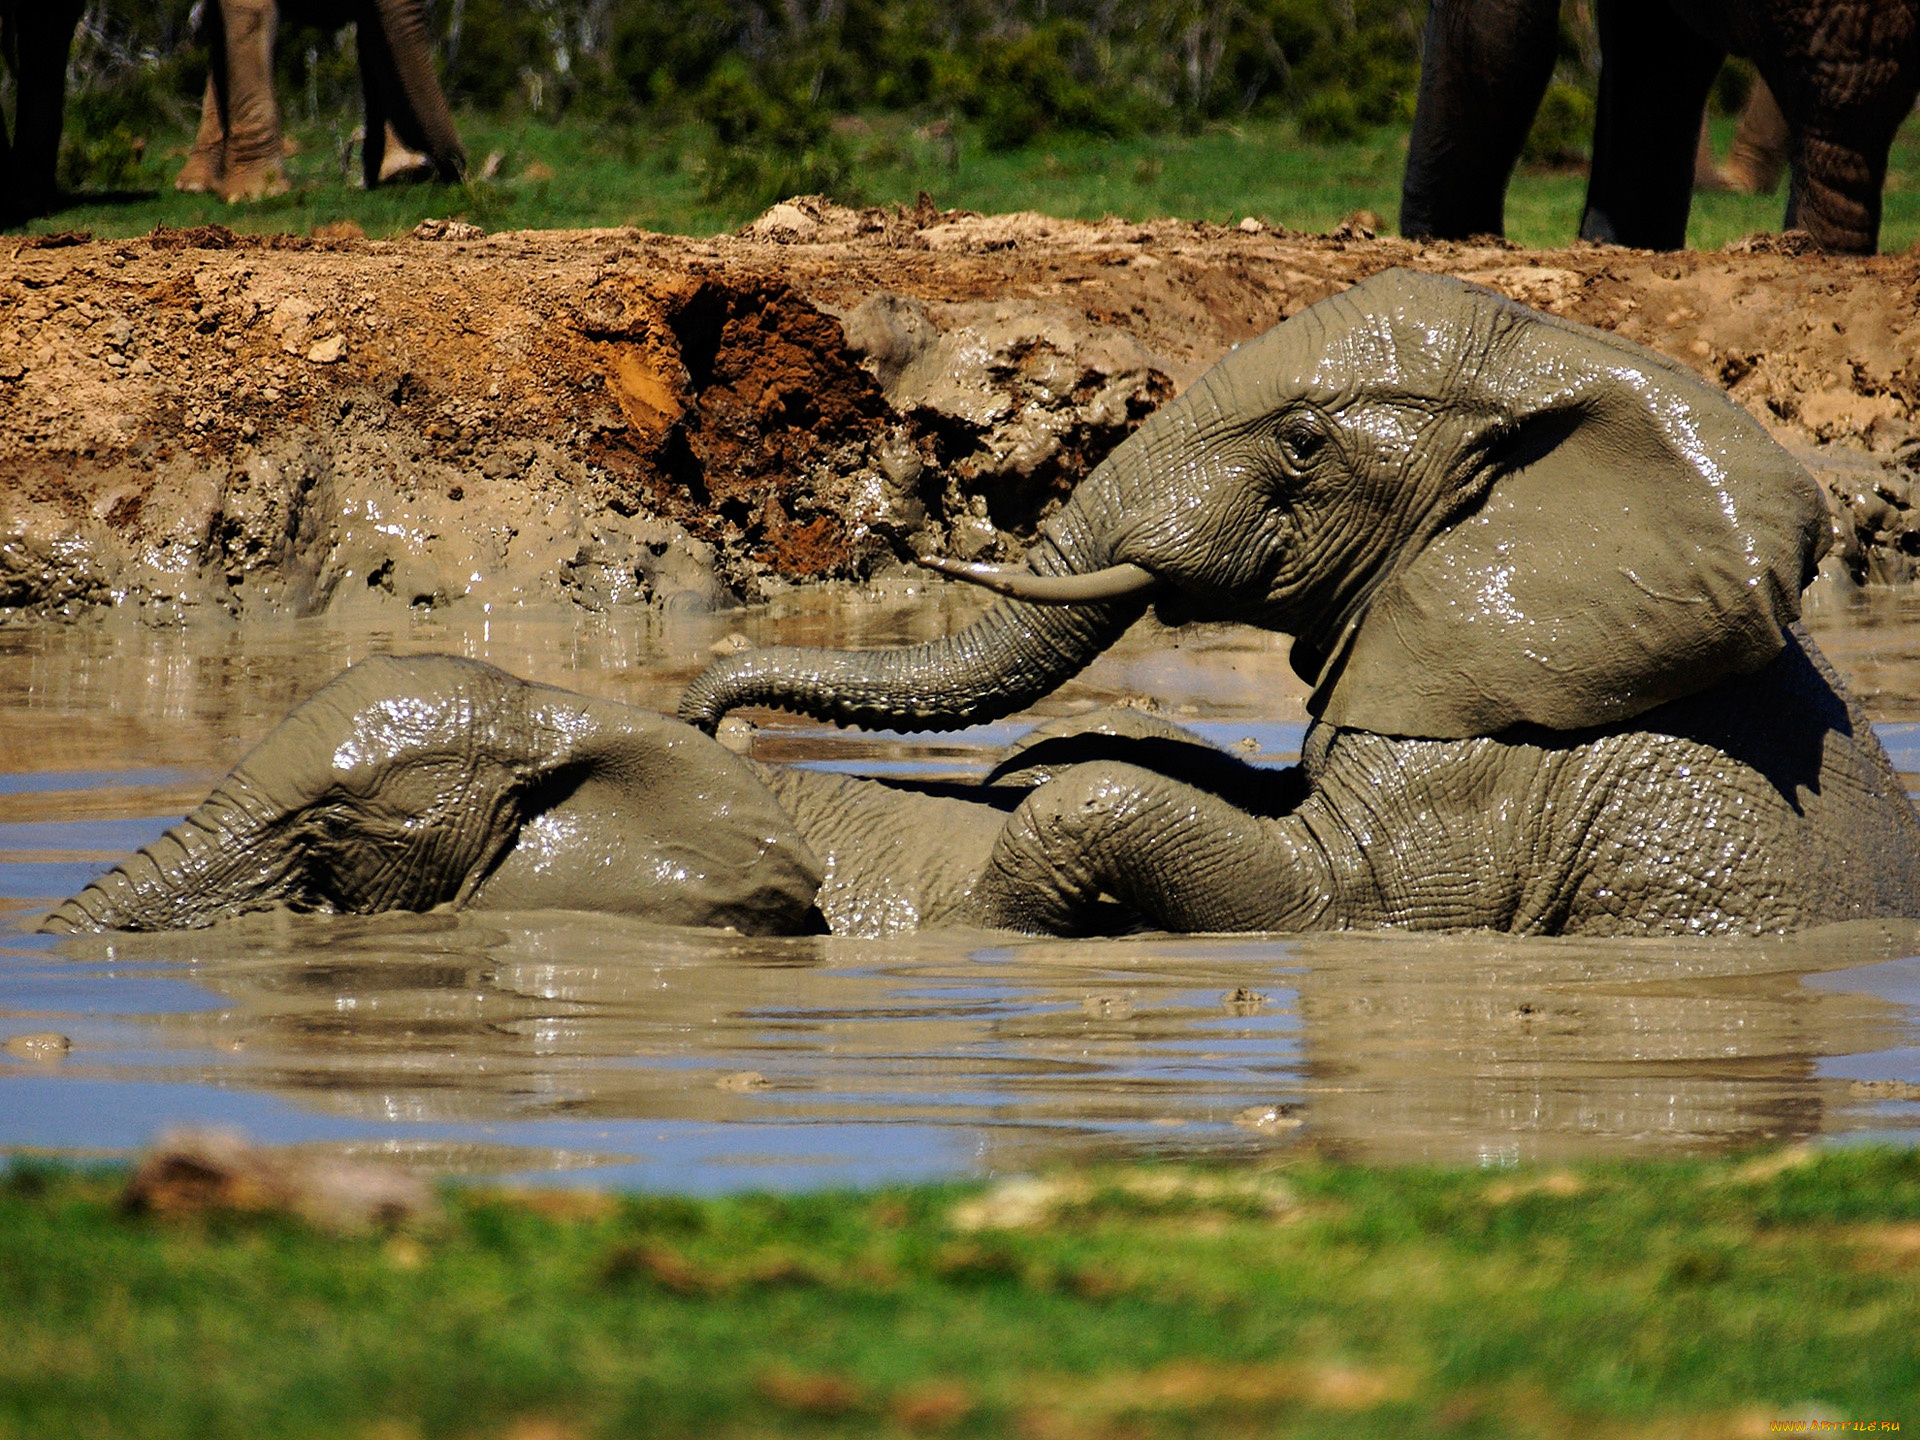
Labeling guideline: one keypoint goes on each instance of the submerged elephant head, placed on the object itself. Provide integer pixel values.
(1468, 514)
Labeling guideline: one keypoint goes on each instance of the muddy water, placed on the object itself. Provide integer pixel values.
(602, 1051)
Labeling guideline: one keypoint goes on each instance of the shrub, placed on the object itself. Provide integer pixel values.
(767, 144)
(1034, 80)
(665, 50)
(1331, 117)
(103, 142)
(1562, 133)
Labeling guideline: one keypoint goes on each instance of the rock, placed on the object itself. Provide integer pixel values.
(327, 350)
(44, 1047)
(1360, 225)
(736, 735)
(194, 1171)
(786, 222)
(1268, 1119)
(447, 230)
(889, 332)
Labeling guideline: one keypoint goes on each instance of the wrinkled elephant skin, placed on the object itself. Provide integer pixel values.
(409, 784)
(1544, 582)
(1845, 73)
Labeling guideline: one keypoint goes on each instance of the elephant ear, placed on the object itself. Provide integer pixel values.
(1640, 538)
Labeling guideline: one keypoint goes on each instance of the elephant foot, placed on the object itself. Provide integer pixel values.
(245, 185)
(400, 165)
(202, 174)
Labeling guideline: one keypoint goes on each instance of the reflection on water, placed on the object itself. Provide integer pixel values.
(619, 1053)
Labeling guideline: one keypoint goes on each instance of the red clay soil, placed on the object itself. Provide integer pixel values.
(196, 419)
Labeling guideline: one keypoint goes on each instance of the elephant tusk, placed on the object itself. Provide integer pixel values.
(1111, 583)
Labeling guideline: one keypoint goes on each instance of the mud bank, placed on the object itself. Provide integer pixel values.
(196, 423)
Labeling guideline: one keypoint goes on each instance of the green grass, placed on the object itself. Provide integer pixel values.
(1312, 1300)
(601, 174)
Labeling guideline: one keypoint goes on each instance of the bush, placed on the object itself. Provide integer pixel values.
(1331, 117)
(1562, 134)
(103, 142)
(766, 144)
(498, 41)
(771, 72)
(664, 51)
(1047, 78)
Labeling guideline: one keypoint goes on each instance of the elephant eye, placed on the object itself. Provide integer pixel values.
(1300, 438)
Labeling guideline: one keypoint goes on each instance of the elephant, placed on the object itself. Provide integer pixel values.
(237, 150)
(1845, 73)
(1544, 583)
(36, 39)
(1758, 153)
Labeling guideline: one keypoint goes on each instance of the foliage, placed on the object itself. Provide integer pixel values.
(1015, 70)
(1308, 1299)
(767, 144)
(1039, 79)
(1562, 131)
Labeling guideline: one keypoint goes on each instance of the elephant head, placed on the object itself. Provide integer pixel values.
(1469, 515)
(409, 784)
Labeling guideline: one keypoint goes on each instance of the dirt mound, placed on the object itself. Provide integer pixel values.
(199, 420)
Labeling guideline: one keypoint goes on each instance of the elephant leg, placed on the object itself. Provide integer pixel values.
(376, 129)
(1840, 166)
(43, 36)
(1178, 856)
(1835, 192)
(1655, 72)
(397, 76)
(1845, 81)
(1707, 175)
(1486, 63)
(411, 784)
(9, 202)
(206, 162)
(1760, 145)
(253, 168)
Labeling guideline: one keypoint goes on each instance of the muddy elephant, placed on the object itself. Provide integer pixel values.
(35, 38)
(1544, 582)
(1845, 73)
(237, 149)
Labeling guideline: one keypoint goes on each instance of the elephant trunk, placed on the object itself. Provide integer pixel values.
(1012, 656)
(202, 868)
(418, 107)
(386, 790)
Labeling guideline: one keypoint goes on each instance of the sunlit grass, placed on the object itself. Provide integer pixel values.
(571, 174)
(1310, 1299)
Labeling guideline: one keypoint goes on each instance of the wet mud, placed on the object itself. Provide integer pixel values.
(196, 423)
(613, 1052)
(254, 462)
